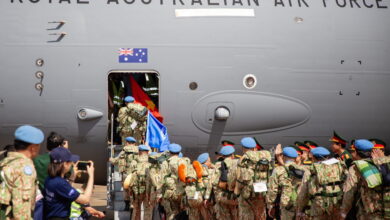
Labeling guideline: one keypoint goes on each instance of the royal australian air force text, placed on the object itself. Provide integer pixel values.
(357, 4)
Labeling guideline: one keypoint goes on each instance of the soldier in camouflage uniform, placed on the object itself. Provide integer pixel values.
(369, 188)
(157, 171)
(284, 183)
(18, 183)
(123, 161)
(132, 120)
(137, 184)
(251, 183)
(322, 185)
(173, 189)
(194, 190)
(223, 182)
(207, 175)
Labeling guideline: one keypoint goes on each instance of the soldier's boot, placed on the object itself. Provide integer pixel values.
(127, 205)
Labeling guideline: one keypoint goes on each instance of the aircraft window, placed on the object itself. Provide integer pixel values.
(193, 85)
(250, 81)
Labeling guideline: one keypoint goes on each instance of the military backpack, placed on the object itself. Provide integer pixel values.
(253, 173)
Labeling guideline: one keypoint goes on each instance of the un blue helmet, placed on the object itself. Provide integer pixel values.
(319, 152)
(363, 145)
(248, 142)
(29, 134)
(143, 148)
(130, 139)
(290, 152)
(129, 99)
(227, 150)
(174, 148)
(203, 157)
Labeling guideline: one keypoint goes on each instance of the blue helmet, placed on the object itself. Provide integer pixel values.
(363, 145)
(174, 148)
(143, 148)
(203, 157)
(248, 142)
(320, 152)
(129, 99)
(130, 139)
(227, 150)
(29, 134)
(290, 152)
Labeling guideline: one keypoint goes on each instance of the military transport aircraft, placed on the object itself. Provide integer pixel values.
(278, 70)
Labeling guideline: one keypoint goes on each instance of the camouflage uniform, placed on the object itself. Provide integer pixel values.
(193, 201)
(155, 178)
(132, 114)
(282, 184)
(226, 203)
(207, 178)
(253, 169)
(322, 185)
(138, 186)
(370, 205)
(173, 189)
(18, 186)
(123, 161)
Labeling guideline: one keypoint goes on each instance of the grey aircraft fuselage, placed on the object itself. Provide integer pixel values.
(320, 65)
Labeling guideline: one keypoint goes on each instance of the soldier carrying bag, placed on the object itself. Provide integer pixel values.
(289, 197)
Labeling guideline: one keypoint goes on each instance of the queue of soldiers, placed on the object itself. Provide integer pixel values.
(303, 181)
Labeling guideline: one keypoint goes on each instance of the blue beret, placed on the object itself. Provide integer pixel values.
(129, 99)
(290, 152)
(203, 157)
(180, 154)
(130, 139)
(320, 152)
(248, 142)
(363, 145)
(227, 150)
(174, 148)
(143, 148)
(29, 134)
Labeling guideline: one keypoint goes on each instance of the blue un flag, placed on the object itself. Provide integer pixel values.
(133, 55)
(156, 134)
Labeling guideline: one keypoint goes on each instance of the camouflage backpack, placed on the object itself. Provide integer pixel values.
(138, 179)
(173, 188)
(228, 174)
(129, 154)
(253, 169)
(374, 191)
(157, 170)
(325, 188)
(292, 180)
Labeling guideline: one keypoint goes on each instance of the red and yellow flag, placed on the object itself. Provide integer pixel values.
(141, 97)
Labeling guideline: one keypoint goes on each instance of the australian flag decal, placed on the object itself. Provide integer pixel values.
(133, 55)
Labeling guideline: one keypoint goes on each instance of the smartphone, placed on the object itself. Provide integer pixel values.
(82, 165)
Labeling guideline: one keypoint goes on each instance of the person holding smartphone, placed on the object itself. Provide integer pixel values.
(58, 193)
